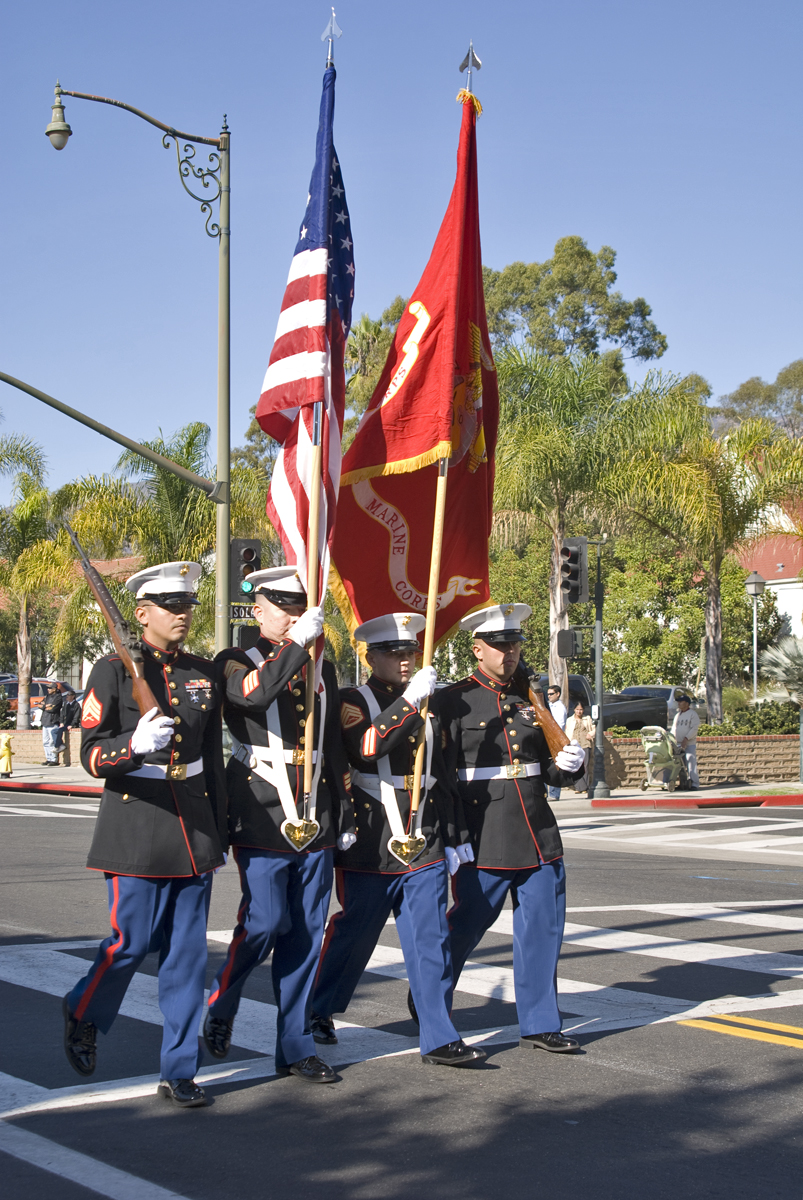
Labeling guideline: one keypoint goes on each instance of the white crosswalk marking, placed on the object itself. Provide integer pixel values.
(29, 811)
(720, 832)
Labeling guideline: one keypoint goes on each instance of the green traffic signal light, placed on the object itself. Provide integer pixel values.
(246, 586)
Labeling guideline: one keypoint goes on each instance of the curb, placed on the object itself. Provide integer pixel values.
(668, 801)
(62, 789)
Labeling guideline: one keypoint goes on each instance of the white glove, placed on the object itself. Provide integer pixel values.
(570, 758)
(152, 733)
(452, 860)
(308, 627)
(465, 854)
(420, 686)
(346, 841)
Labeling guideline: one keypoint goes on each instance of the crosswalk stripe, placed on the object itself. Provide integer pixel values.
(11, 810)
(764, 962)
(726, 912)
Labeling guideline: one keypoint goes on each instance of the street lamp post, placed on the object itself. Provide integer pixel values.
(754, 585)
(215, 182)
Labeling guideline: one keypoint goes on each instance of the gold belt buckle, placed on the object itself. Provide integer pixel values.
(514, 770)
(298, 758)
(177, 771)
(408, 782)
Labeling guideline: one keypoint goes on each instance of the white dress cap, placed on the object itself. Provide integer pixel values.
(498, 623)
(174, 581)
(281, 585)
(394, 631)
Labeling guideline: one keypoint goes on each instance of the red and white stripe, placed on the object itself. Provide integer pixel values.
(306, 366)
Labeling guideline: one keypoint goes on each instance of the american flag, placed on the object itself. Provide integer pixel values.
(306, 363)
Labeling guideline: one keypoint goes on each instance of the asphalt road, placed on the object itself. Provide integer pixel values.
(673, 919)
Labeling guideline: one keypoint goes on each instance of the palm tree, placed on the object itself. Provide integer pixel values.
(734, 485)
(145, 511)
(784, 663)
(561, 453)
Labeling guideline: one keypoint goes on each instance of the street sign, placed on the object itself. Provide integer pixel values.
(241, 612)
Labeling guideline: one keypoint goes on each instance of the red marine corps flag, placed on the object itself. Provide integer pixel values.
(436, 402)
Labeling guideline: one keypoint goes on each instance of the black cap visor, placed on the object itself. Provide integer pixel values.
(170, 599)
(282, 599)
(406, 644)
(496, 636)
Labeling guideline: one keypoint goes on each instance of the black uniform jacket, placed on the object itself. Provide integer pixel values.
(156, 827)
(255, 811)
(488, 725)
(394, 734)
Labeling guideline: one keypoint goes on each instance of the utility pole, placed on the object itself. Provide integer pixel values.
(601, 788)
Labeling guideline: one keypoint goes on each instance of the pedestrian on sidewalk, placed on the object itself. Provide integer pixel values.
(558, 710)
(581, 729)
(51, 720)
(684, 731)
(69, 717)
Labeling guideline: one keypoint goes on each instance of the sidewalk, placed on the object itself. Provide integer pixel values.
(763, 795)
(66, 781)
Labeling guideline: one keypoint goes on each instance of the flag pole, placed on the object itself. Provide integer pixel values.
(329, 34)
(312, 597)
(432, 612)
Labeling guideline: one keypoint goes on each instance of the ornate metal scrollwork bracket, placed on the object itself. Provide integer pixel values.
(207, 177)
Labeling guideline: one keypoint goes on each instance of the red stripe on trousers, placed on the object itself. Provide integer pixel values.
(108, 957)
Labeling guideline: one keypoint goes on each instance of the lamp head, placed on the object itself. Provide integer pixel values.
(754, 584)
(58, 130)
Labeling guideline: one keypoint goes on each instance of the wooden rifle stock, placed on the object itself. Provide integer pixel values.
(125, 641)
(528, 685)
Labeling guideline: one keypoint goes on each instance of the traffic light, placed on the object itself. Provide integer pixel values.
(246, 557)
(570, 643)
(574, 570)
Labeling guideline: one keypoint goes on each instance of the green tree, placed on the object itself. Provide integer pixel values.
(259, 451)
(733, 486)
(566, 446)
(148, 512)
(780, 402)
(567, 306)
(366, 351)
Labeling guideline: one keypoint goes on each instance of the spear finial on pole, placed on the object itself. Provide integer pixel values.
(468, 62)
(332, 31)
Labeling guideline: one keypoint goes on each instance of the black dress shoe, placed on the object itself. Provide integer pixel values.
(557, 1043)
(455, 1054)
(185, 1092)
(79, 1042)
(217, 1035)
(411, 1008)
(312, 1069)
(323, 1030)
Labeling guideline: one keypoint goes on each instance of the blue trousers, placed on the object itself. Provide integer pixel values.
(539, 913)
(168, 915)
(283, 909)
(418, 900)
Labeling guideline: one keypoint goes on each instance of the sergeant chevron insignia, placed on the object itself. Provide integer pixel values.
(92, 711)
(350, 715)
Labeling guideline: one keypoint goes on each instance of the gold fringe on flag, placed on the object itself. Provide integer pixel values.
(464, 96)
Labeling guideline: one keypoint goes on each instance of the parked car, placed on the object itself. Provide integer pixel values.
(38, 692)
(668, 692)
(617, 709)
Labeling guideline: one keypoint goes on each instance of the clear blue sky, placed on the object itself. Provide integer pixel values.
(670, 131)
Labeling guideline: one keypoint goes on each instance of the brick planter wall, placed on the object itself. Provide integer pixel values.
(27, 747)
(767, 759)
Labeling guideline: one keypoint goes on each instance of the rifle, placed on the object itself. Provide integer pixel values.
(126, 642)
(525, 681)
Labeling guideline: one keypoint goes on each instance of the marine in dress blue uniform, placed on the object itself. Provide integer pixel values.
(498, 759)
(161, 828)
(382, 726)
(285, 891)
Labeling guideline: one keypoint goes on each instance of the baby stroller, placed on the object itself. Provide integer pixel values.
(663, 755)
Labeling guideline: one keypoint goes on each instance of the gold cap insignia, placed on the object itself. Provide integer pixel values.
(508, 610)
(406, 619)
(184, 569)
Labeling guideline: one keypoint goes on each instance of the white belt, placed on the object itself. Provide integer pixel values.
(371, 783)
(169, 770)
(511, 771)
(254, 756)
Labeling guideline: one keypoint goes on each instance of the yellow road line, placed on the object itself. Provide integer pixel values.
(753, 1021)
(752, 1034)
